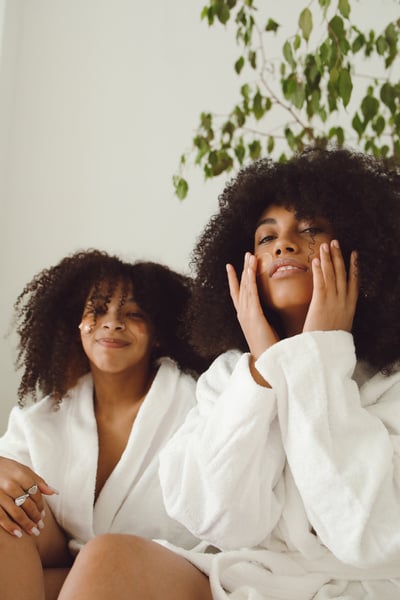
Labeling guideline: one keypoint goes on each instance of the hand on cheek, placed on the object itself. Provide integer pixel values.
(256, 329)
(335, 294)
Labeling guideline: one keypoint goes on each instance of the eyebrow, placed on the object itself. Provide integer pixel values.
(266, 221)
(104, 299)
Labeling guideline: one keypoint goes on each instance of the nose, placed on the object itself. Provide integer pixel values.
(114, 323)
(284, 246)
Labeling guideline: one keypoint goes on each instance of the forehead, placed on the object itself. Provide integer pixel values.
(275, 213)
(108, 290)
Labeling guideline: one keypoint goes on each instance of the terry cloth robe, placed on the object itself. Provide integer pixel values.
(62, 447)
(297, 485)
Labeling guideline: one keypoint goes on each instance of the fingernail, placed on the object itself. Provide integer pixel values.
(35, 531)
(17, 533)
(43, 514)
(40, 524)
(325, 247)
(54, 490)
(335, 243)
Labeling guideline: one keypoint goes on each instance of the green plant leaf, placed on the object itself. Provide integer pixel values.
(336, 25)
(272, 25)
(181, 187)
(270, 144)
(255, 149)
(240, 151)
(369, 107)
(288, 54)
(239, 64)
(224, 13)
(345, 86)
(306, 23)
(344, 8)
(379, 125)
(219, 161)
(358, 125)
(258, 108)
(358, 43)
(388, 96)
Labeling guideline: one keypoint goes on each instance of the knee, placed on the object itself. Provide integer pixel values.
(11, 543)
(110, 547)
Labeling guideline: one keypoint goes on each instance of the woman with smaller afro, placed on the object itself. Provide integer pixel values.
(290, 462)
(103, 341)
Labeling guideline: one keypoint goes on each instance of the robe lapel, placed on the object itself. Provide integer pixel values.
(146, 438)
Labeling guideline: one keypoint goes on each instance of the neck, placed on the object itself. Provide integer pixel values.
(119, 389)
(293, 320)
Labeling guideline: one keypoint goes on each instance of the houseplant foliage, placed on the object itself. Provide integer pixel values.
(311, 94)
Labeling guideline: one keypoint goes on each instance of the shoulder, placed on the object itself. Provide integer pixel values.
(219, 371)
(170, 377)
(48, 407)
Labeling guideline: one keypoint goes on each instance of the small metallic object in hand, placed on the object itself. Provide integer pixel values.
(21, 499)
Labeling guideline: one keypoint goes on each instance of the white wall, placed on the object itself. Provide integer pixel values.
(98, 99)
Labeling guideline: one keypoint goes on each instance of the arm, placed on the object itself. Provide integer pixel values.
(16, 478)
(219, 472)
(342, 444)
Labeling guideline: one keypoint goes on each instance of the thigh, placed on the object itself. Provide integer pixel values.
(53, 580)
(52, 543)
(132, 568)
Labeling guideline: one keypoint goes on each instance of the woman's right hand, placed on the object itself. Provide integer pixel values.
(258, 332)
(15, 481)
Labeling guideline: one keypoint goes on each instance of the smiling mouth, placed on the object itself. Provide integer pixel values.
(112, 343)
(281, 270)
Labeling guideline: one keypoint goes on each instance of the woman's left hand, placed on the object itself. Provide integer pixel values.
(334, 299)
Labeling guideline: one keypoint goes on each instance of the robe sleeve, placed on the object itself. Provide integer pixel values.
(342, 444)
(219, 472)
(13, 444)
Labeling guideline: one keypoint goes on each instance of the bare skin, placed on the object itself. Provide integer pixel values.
(118, 345)
(132, 568)
(321, 298)
(46, 562)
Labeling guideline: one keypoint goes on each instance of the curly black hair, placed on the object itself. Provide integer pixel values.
(49, 310)
(357, 193)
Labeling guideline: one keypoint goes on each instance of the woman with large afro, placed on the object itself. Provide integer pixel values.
(103, 341)
(290, 462)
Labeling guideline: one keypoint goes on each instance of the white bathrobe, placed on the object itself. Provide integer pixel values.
(62, 447)
(298, 485)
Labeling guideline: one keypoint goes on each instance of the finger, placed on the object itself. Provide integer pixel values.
(47, 489)
(234, 288)
(17, 518)
(34, 494)
(318, 278)
(339, 268)
(328, 271)
(252, 279)
(354, 280)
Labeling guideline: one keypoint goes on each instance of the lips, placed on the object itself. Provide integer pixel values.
(284, 266)
(108, 342)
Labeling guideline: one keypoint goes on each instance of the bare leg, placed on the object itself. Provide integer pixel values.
(21, 573)
(132, 568)
(53, 580)
(22, 560)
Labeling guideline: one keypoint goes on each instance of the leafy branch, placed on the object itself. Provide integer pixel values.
(307, 96)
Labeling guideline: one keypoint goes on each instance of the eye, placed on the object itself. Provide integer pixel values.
(312, 230)
(266, 239)
(135, 316)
